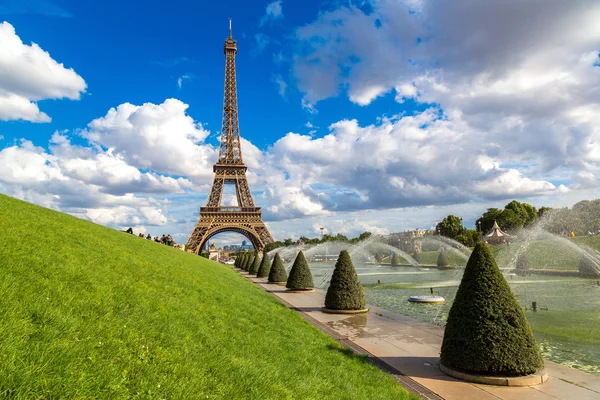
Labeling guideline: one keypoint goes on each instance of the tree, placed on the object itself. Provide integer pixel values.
(542, 211)
(486, 331)
(288, 242)
(300, 276)
(277, 273)
(273, 245)
(265, 266)
(345, 291)
(442, 260)
(253, 270)
(451, 226)
(394, 261)
(509, 220)
(487, 219)
(364, 236)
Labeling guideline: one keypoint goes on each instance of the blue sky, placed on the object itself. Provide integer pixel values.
(357, 115)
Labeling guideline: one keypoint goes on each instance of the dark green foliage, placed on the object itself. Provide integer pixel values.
(587, 267)
(345, 291)
(249, 262)
(442, 260)
(300, 275)
(277, 273)
(451, 226)
(417, 257)
(487, 332)
(242, 261)
(265, 266)
(394, 261)
(253, 269)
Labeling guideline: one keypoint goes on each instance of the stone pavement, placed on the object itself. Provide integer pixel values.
(412, 348)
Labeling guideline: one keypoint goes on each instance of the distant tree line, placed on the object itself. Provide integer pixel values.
(326, 238)
(582, 219)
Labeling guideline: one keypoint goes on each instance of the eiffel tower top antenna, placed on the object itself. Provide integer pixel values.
(230, 152)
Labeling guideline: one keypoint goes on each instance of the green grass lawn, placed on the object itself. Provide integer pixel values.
(90, 312)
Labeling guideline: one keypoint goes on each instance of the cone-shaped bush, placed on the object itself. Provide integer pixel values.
(394, 260)
(265, 266)
(588, 268)
(249, 262)
(300, 276)
(255, 264)
(345, 291)
(522, 265)
(487, 332)
(442, 260)
(244, 262)
(417, 257)
(277, 273)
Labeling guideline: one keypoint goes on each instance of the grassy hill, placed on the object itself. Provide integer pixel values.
(90, 312)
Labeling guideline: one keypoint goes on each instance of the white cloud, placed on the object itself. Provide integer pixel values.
(181, 79)
(160, 137)
(516, 86)
(262, 41)
(273, 12)
(29, 74)
(105, 180)
(281, 84)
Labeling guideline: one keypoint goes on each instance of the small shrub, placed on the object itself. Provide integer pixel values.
(277, 273)
(253, 270)
(487, 332)
(522, 265)
(442, 260)
(265, 266)
(345, 291)
(300, 275)
(249, 262)
(394, 261)
(417, 257)
(588, 268)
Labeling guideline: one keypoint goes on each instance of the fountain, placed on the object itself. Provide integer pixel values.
(567, 317)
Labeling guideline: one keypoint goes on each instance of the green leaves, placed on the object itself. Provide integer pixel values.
(487, 332)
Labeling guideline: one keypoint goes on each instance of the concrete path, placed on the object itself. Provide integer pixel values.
(412, 348)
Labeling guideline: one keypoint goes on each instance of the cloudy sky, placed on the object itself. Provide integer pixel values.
(355, 115)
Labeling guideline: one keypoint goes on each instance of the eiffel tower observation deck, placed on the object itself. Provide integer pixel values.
(244, 218)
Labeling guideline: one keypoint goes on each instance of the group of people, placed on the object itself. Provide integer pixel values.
(165, 239)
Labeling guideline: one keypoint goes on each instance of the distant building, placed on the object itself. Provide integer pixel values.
(409, 241)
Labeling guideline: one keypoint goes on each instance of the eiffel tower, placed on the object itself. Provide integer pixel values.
(244, 218)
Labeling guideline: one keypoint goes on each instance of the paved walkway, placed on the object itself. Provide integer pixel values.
(412, 347)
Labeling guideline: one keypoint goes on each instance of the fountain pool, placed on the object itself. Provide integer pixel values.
(566, 323)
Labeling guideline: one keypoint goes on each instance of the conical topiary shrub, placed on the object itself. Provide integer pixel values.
(588, 268)
(417, 257)
(345, 292)
(249, 262)
(255, 264)
(277, 273)
(487, 332)
(244, 261)
(265, 266)
(300, 276)
(394, 261)
(521, 265)
(442, 260)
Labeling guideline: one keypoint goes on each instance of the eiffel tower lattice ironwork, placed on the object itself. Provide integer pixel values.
(244, 218)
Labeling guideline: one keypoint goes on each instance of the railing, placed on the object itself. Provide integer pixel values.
(229, 209)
